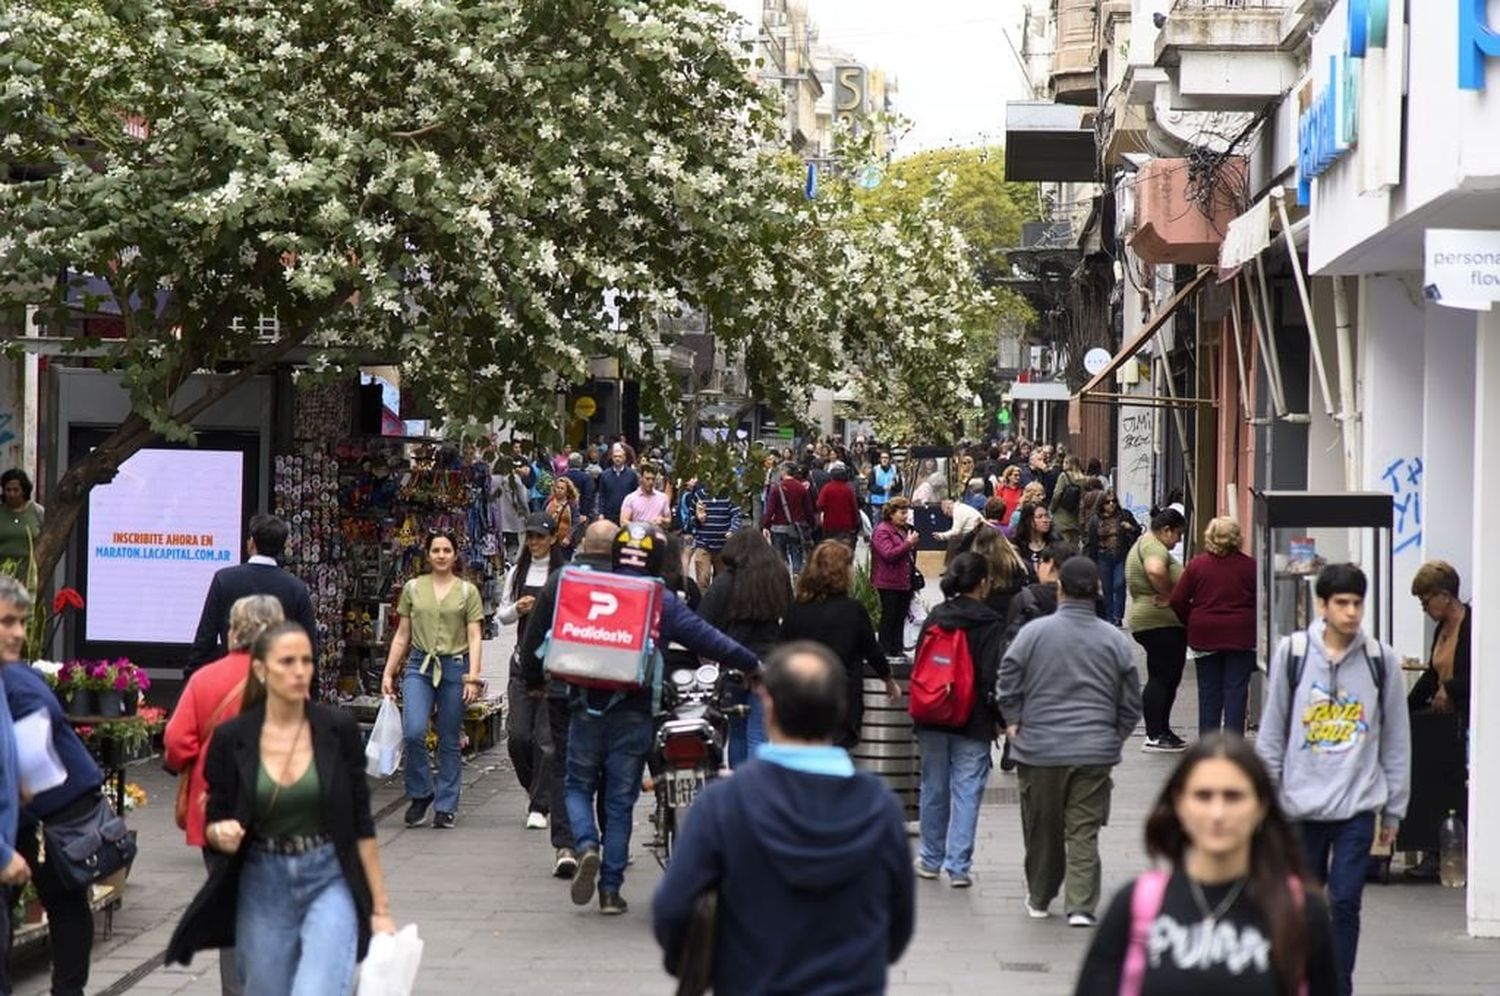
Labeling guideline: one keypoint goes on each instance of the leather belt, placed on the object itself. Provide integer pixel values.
(297, 844)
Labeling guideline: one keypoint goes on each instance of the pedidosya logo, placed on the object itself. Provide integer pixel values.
(614, 619)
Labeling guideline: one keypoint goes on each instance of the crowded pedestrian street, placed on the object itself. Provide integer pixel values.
(494, 920)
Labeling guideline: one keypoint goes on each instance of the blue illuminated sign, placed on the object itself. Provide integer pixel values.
(1476, 42)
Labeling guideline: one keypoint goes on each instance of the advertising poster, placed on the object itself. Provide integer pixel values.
(157, 533)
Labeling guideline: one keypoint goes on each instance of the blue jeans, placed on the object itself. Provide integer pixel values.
(419, 699)
(614, 744)
(1112, 578)
(954, 770)
(296, 928)
(1337, 854)
(746, 732)
(1223, 689)
(790, 547)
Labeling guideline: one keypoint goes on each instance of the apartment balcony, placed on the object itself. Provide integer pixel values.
(1227, 55)
(1075, 60)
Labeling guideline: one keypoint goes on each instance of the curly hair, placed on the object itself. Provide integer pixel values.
(826, 573)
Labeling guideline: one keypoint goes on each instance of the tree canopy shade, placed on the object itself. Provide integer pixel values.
(456, 185)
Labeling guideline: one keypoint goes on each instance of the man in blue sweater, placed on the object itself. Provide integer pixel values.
(808, 856)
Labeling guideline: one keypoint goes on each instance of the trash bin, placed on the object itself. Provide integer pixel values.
(887, 743)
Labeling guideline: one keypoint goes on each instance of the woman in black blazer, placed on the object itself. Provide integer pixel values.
(301, 891)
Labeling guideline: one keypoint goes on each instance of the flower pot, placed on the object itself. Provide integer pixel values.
(81, 702)
(111, 752)
(110, 703)
(132, 702)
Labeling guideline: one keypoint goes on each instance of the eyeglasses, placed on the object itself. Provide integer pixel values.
(1427, 600)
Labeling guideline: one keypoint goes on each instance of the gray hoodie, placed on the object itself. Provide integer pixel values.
(1348, 753)
(1069, 681)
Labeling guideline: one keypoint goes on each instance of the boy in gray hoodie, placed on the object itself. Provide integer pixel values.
(1336, 736)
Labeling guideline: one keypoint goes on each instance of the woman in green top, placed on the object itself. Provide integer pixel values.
(1150, 574)
(20, 523)
(439, 638)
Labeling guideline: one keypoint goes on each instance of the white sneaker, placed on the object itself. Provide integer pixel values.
(1081, 920)
(1034, 913)
(923, 871)
(536, 821)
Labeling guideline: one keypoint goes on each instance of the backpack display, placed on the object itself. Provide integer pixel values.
(942, 678)
(604, 629)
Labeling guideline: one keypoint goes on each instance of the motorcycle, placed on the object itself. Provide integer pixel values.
(689, 745)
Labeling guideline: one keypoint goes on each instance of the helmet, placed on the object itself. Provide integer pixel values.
(640, 547)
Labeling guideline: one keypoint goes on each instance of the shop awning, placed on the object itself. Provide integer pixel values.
(1106, 376)
(1039, 390)
(1246, 238)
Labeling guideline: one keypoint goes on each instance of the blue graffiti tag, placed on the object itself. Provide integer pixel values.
(5, 434)
(1405, 479)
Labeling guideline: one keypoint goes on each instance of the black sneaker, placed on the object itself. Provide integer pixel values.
(566, 863)
(1174, 740)
(612, 904)
(583, 878)
(416, 813)
(443, 821)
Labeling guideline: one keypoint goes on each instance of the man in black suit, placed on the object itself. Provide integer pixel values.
(261, 575)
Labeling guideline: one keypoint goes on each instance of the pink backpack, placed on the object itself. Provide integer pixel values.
(1145, 903)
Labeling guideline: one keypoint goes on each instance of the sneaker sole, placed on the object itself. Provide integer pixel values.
(961, 883)
(1080, 923)
(924, 873)
(1162, 748)
(583, 880)
(611, 911)
(1037, 914)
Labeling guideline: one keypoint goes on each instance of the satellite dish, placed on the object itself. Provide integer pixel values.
(1096, 360)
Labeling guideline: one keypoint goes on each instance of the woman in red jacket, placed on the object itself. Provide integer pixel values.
(213, 696)
(1215, 599)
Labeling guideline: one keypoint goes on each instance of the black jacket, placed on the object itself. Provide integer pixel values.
(1458, 686)
(234, 583)
(1033, 602)
(985, 631)
(814, 879)
(231, 769)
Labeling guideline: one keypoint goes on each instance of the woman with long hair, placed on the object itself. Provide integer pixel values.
(893, 561)
(528, 736)
(824, 611)
(956, 758)
(1151, 572)
(1230, 915)
(563, 512)
(438, 642)
(1215, 599)
(746, 601)
(1109, 533)
(287, 797)
(1008, 572)
(1033, 534)
(1034, 493)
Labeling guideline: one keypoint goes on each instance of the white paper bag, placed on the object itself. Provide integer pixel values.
(390, 967)
(383, 752)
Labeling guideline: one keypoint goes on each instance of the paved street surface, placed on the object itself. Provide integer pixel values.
(494, 921)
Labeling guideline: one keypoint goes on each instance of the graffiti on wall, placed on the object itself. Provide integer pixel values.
(7, 433)
(1133, 478)
(1404, 477)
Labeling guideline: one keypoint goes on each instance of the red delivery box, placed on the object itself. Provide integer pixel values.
(604, 629)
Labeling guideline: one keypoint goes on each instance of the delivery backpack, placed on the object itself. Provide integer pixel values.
(942, 678)
(604, 629)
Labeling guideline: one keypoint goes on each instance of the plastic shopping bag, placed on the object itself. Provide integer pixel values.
(383, 752)
(916, 618)
(390, 967)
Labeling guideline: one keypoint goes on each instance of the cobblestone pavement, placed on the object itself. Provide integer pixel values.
(495, 922)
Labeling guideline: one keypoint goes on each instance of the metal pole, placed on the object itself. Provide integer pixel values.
(1272, 353)
(1302, 292)
(1239, 352)
(1342, 327)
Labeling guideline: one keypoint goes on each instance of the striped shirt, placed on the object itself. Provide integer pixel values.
(724, 517)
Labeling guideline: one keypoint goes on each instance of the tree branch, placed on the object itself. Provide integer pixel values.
(418, 132)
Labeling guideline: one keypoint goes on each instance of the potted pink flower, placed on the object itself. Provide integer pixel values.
(77, 687)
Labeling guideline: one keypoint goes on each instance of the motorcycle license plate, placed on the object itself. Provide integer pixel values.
(684, 788)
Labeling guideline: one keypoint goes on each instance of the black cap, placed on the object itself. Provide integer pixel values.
(1079, 577)
(538, 524)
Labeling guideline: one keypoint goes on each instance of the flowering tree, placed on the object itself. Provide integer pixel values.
(454, 184)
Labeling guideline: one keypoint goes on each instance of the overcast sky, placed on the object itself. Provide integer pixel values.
(950, 57)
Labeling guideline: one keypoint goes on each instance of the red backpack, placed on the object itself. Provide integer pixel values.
(942, 678)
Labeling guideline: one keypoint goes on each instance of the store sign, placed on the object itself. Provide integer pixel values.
(849, 85)
(1328, 128)
(1477, 42)
(1463, 268)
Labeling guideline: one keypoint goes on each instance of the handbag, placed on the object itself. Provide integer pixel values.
(695, 960)
(918, 580)
(184, 780)
(83, 849)
(799, 529)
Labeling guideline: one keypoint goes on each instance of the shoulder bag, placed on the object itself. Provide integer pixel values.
(184, 780)
(86, 847)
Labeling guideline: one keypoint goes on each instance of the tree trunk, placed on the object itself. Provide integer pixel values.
(66, 500)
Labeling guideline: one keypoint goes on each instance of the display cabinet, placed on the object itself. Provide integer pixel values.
(1296, 534)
